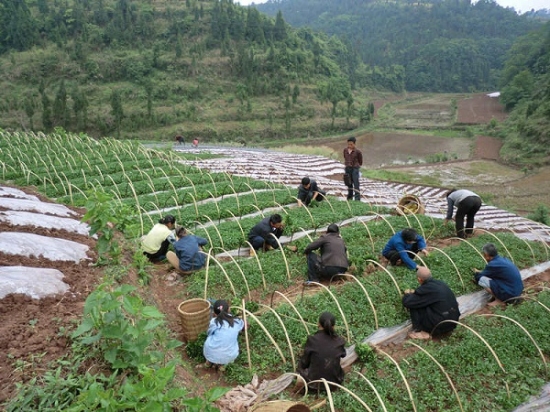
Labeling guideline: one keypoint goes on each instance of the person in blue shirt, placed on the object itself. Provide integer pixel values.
(501, 278)
(402, 248)
(222, 346)
(189, 256)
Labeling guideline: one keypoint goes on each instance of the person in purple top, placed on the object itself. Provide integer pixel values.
(403, 247)
(501, 278)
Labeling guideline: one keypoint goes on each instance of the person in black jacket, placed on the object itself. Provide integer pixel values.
(308, 191)
(322, 354)
(333, 259)
(266, 233)
(431, 303)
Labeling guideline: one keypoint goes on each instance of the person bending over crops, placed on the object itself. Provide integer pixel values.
(403, 247)
(467, 204)
(221, 346)
(189, 256)
(266, 232)
(309, 191)
(430, 304)
(155, 244)
(501, 278)
(322, 354)
(333, 259)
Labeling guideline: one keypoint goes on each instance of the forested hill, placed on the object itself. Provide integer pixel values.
(526, 92)
(444, 45)
(137, 68)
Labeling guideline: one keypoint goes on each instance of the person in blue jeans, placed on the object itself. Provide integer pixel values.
(403, 247)
(222, 346)
(353, 160)
(501, 278)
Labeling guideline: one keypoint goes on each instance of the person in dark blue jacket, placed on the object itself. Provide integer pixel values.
(189, 256)
(501, 277)
(308, 191)
(265, 233)
(403, 247)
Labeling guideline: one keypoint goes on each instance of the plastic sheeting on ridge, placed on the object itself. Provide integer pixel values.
(10, 191)
(34, 282)
(19, 218)
(52, 248)
(35, 206)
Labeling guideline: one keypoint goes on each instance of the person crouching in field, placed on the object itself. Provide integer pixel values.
(189, 256)
(432, 303)
(322, 354)
(156, 243)
(309, 191)
(403, 247)
(222, 346)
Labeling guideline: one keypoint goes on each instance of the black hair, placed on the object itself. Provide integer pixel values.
(180, 232)
(490, 249)
(449, 192)
(333, 228)
(327, 321)
(221, 310)
(306, 181)
(168, 219)
(352, 139)
(409, 234)
(276, 218)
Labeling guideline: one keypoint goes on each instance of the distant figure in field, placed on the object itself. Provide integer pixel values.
(429, 304)
(195, 142)
(501, 278)
(188, 256)
(403, 247)
(353, 160)
(155, 244)
(467, 204)
(265, 233)
(322, 354)
(309, 191)
(180, 140)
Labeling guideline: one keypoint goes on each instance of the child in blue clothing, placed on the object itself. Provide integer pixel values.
(221, 346)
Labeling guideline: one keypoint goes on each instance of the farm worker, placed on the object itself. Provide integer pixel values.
(266, 232)
(333, 259)
(195, 142)
(501, 278)
(180, 139)
(189, 256)
(322, 354)
(467, 204)
(403, 247)
(353, 160)
(309, 191)
(221, 346)
(155, 244)
(430, 304)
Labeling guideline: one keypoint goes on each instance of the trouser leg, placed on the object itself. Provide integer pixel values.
(475, 205)
(355, 178)
(313, 266)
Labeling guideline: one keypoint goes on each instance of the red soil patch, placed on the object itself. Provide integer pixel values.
(487, 148)
(480, 109)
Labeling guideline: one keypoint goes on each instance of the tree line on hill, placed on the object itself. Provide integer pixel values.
(439, 45)
(126, 65)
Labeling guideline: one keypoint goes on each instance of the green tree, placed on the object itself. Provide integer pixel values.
(116, 110)
(80, 108)
(295, 94)
(335, 90)
(60, 113)
(29, 109)
(279, 31)
(18, 29)
(47, 123)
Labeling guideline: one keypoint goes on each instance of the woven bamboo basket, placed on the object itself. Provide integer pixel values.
(281, 406)
(410, 205)
(195, 317)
